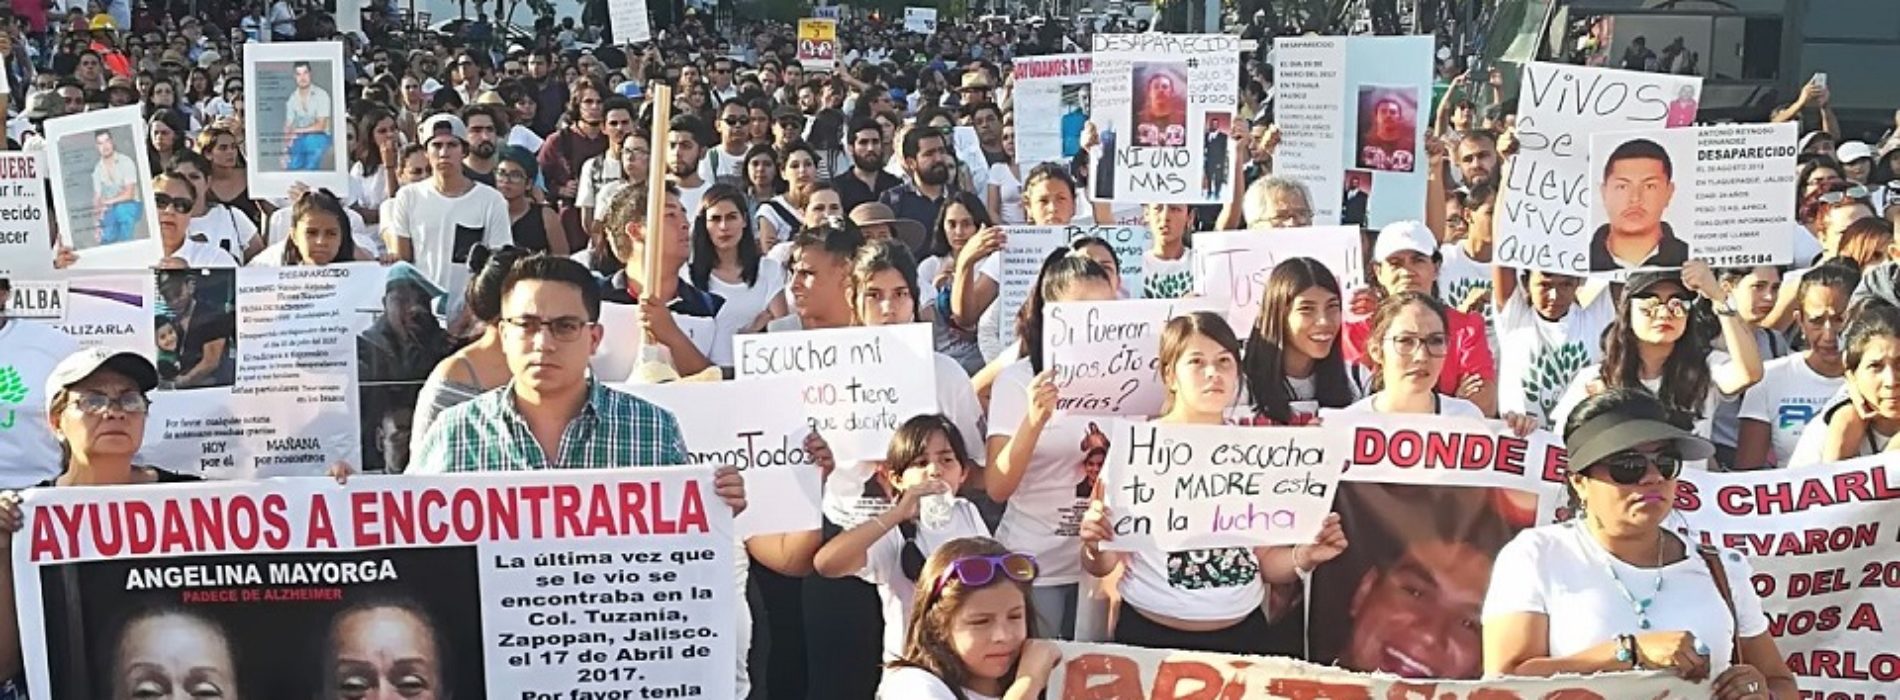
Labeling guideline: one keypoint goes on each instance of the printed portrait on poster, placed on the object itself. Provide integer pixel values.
(1352, 204)
(1388, 128)
(1160, 104)
(102, 188)
(194, 328)
(1216, 159)
(296, 125)
(1075, 115)
(1638, 183)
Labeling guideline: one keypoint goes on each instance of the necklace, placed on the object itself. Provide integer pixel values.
(1639, 606)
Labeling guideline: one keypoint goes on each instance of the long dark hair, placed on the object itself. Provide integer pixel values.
(1064, 268)
(363, 150)
(909, 444)
(705, 256)
(1265, 359)
(488, 271)
(319, 202)
(939, 239)
(1685, 373)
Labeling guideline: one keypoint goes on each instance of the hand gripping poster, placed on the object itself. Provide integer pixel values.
(1826, 564)
(100, 172)
(295, 130)
(571, 584)
(1164, 109)
(1427, 502)
(1352, 113)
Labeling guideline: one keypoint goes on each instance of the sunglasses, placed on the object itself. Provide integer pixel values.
(182, 205)
(1628, 468)
(980, 571)
(1838, 196)
(1655, 306)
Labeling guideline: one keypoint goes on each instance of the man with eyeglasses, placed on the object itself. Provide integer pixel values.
(28, 452)
(1405, 258)
(435, 223)
(727, 159)
(604, 169)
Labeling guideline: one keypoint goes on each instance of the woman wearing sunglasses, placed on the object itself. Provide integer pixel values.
(1864, 418)
(1207, 599)
(1614, 589)
(1656, 344)
(970, 631)
(176, 199)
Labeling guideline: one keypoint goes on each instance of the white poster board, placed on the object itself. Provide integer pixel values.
(1232, 267)
(1051, 85)
(1723, 194)
(295, 130)
(1353, 112)
(1105, 354)
(764, 441)
(26, 249)
(1164, 106)
(850, 393)
(920, 20)
(102, 189)
(629, 21)
(1180, 487)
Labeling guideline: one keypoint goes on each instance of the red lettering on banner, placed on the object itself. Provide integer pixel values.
(1802, 622)
(1866, 617)
(1123, 678)
(135, 528)
(322, 532)
(1209, 683)
(1846, 665)
(1556, 463)
(1810, 541)
(1407, 449)
(1870, 486)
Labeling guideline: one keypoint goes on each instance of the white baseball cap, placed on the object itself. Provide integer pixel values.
(80, 365)
(1853, 151)
(434, 126)
(1400, 236)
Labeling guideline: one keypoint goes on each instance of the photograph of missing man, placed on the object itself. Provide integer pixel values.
(1638, 184)
(295, 120)
(1160, 104)
(1388, 128)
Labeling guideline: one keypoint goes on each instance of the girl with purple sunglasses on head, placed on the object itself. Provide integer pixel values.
(970, 630)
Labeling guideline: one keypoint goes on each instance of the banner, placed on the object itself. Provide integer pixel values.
(1233, 266)
(817, 43)
(1112, 672)
(1543, 219)
(1180, 487)
(1378, 87)
(830, 12)
(765, 441)
(1826, 564)
(566, 584)
(294, 127)
(1106, 354)
(26, 246)
(1046, 85)
(851, 394)
(629, 21)
(1724, 194)
(103, 191)
(1424, 499)
(1164, 106)
(920, 20)
(1017, 264)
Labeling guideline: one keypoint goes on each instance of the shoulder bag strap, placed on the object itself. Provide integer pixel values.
(1713, 560)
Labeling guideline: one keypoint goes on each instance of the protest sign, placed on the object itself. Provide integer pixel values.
(629, 21)
(26, 247)
(1178, 487)
(1722, 194)
(98, 308)
(1233, 266)
(1543, 219)
(1112, 672)
(765, 442)
(294, 128)
(258, 367)
(1051, 85)
(1432, 497)
(1164, 105)
(1827, 568)
(102, 194)
(548, 584)
(831, 12)
(849, 392)
(1015, 266)
(817, 43)
(1380, 89)
(349, 16)
(920, 20)
(1105, 354)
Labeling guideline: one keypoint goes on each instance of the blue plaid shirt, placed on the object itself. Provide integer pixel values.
(613, 430)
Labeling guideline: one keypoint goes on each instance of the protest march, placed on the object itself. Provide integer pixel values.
(761, 350)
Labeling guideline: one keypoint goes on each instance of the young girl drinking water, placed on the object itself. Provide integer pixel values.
(926, 464)
(970, 628)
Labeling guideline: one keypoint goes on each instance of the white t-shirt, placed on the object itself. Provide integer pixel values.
(717, 163)
(1562, 572)
(1044, 516)
(442, 229)
(223, 226)
(1447, 406)
(1458, 275)
(277, 230)
(883, 565)
(1009, 196)
(845, 501)
(202, 256)
(1788, 397)
(917, 684)
(1166, 279)
(596, 173)
(371, 190)
(1807, 451)
(1202, 584)
(1538, 359)
(691, 196)
(743, 306)
(28, 452)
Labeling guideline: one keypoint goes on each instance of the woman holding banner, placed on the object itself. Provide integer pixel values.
(1615, 589)
(1293, 365)
(1210, 599)
(1407, 346)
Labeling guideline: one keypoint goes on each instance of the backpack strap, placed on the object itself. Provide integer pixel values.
(1713, 559)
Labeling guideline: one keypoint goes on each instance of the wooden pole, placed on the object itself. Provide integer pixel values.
(662, 101)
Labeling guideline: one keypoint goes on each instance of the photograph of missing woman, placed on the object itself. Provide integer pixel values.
(1094, 455)
(1407, 597)
(195, 328)
(1160, 116)
(1388, 128)
(103, 192)
(294, 131)
(266, 640)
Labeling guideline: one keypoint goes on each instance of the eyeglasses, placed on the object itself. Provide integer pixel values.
(564, 329)
(735, 121)
(1435, 345)
(182, 205)
(510, 176)
(1628, 467)
(1657, 307)
(980, 571)
(92, 404)
(1838, 196)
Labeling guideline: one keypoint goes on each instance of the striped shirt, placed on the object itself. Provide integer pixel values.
(614, 430)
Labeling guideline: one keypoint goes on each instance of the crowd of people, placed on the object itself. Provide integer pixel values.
(506, 184)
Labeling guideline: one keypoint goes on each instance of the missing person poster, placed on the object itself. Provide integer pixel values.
(102, 188)
(1543, 217)
(26, 244)
(1233, 267)
(1179, 487)
(567, 584)
(1821, 542)
(920, 20)
(1722, 194)
(295, 130)
(1164, 108)
(1113, 672)
(1353, 113)
(259, 368)
(848, 387)
(1051, 85)
(817, 43)
(1016, 266)
(1106, 354)
(1427, 502)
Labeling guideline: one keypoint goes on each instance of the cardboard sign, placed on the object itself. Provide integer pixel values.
(1164, 105)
